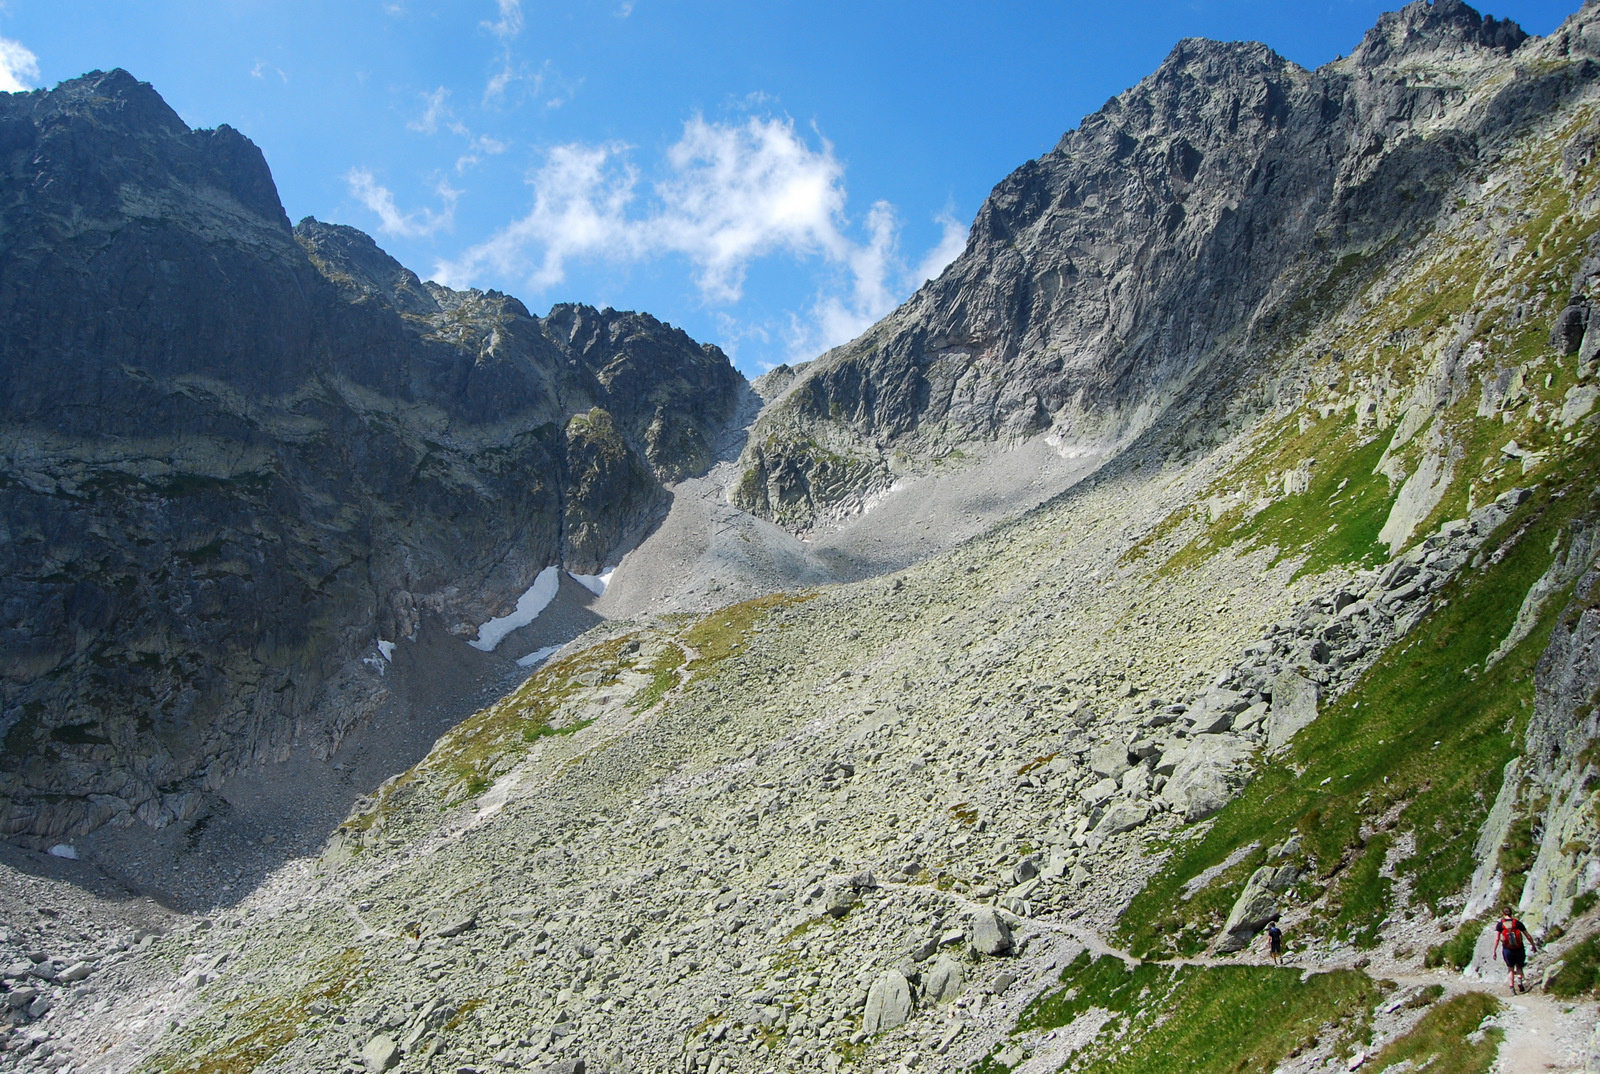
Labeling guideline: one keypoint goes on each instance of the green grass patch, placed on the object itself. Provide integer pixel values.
(1337, 519)
(1362, 896)
(1581, 974)
(1456, 952)
(725, 633)
(546, 731)
(663, 677)
(1424, 731)
(1222, 1019)
(1447, 1040)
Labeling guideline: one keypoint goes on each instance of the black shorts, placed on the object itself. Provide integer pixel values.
(1516, 957)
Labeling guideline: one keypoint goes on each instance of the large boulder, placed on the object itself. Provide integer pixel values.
(945, 980)
(1122, 817)
(1209, 775)
(888, 1002)
(989, 934)
(1257, 904)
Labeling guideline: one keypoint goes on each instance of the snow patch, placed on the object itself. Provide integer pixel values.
(529, 605)
(64, 850)
(594, 583)
(387, 649)
(538, 656)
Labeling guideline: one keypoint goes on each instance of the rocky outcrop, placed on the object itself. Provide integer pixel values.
(1561, 759)
(235, 455)
(1197, 220)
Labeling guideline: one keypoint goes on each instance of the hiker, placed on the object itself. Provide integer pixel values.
(1274, 942)
(1512, 938)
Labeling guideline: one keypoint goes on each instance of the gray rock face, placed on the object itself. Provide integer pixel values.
(1125, 272)
(888, 1003)
(280, 419)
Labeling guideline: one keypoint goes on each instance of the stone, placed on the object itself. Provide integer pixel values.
(1577, 403)
(1294, 707)
(888, 1003)
(1208, 777)
(1122, 817)
(1025, 870)
(1109, 759)
(1256, 905)
(840, 900)
(380, 1053)
(78, 971)
(1003, 982)
(1213, 711)
(1099, 792)
(989, 934)
(944, 981)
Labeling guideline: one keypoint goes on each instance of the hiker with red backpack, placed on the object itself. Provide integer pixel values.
(1511, 937)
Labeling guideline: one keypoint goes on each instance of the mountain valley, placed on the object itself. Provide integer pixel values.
(1214, 543)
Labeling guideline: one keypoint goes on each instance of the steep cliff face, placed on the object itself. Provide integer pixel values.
(234, 455)
(1177, 235)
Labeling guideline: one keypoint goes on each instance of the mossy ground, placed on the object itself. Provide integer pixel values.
(258, 1029)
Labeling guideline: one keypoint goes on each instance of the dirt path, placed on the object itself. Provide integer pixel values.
(1544, 1034)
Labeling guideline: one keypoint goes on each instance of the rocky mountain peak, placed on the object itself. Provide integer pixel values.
(1421, 28)
(351, 259)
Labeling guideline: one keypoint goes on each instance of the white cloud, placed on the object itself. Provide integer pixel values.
(509, 24)
(579, 208)
(437, 109)
(950, 247)
(624, 9)
(480, 147)
(19, 67)
(726, 196)
(391, 221)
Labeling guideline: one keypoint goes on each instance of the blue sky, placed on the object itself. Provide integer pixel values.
(770, 176)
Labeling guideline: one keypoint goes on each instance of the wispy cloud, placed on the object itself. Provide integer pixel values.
(624, 9)
(391, 221)
(19, 67)
(480, 147)
(262, 67)
(436, 109)
(726, 195)
(509, 24)
(950, 246)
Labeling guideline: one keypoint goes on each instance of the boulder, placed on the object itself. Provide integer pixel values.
(1122, 817)
(1099, 792)
(888, 1003)
(1257, 904)
(989, 934)
(1214, 710)
(1208, 776)
(1294, 706)
(1108, 759)
(945, 980)
(381, 1053)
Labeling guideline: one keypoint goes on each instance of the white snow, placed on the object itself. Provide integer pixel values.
(63, 850)
(594, 583)
(529, 605)
(538, 656)
(387, 649)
